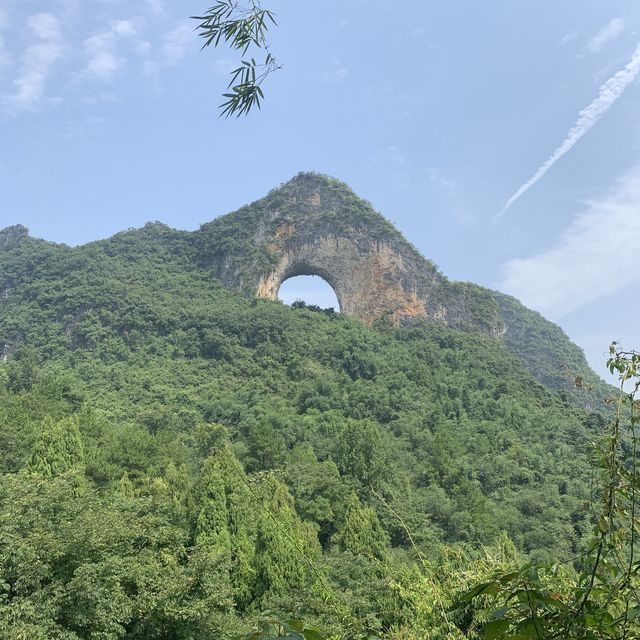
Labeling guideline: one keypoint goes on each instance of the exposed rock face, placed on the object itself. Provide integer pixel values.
(11, 235)
(366, 275)
(315, 225)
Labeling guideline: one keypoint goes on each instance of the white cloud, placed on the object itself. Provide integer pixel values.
(391, 154)
(157, 7)
(45, 26)
(69, 7)
(38, 60)
(124, 28)
(104, 61)
(6, 58)
(178, 42)
(102, 55)
(605, 35)
(337, 73)
(568, 37)
(609, 92)
(436, 177)
(596, 256)
(104, 48)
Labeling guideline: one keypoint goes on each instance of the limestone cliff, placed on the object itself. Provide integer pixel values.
(315, 225)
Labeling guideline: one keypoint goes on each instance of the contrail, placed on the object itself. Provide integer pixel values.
(609, 92)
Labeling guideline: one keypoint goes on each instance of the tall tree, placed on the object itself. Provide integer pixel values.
(57, 449)
(284, 544)
(360, 452)
(361, 532)
(225, 521)
(212, 527)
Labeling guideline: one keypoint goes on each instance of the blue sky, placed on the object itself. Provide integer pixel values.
(440, 113)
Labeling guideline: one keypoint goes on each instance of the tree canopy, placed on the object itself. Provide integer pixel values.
(178, 458)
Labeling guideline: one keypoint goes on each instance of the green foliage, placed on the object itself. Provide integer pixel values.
(539, 343)
(225, 524)
(318, 489)
(284, 544)
(22, 373)
(213, 520)
(58, 448)
(177, 457)
(241, 29)
(292, 629)
(360, 532)
(597, 597)
(360, 452)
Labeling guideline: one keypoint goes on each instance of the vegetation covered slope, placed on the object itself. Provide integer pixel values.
(236, 248)
(177, 457)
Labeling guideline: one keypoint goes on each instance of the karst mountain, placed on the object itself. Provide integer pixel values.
(182, 451)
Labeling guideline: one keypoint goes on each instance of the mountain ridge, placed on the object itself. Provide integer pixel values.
(243, 249)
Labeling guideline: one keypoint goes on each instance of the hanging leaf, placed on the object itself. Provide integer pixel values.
(240, 28)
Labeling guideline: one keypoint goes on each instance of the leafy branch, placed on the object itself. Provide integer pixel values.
(240, 28)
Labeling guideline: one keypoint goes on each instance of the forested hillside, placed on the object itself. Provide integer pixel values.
(177, 457)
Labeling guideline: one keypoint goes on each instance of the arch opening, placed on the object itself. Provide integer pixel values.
(310, 291)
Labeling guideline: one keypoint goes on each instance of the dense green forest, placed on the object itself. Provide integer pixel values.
(178, 458)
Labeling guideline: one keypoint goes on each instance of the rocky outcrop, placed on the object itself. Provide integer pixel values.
(314, 225)
(365, 275)
(10, 236)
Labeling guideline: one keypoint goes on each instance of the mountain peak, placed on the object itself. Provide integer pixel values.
(316, 225)
(323, 193)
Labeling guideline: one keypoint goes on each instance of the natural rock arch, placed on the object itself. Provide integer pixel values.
(319, 296)
(315, 225)
(366, 276)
